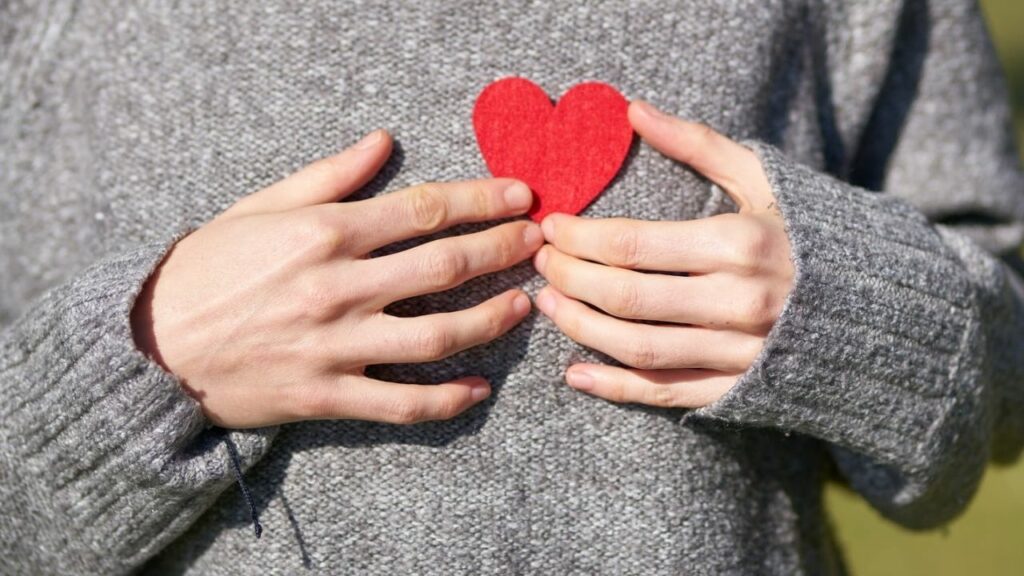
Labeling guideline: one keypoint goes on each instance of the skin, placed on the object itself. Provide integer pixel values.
(710, 324)
(270, 312)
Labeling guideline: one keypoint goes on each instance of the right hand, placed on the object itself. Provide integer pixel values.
(270, 312)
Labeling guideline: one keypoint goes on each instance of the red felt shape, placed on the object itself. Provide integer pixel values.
(567, 154)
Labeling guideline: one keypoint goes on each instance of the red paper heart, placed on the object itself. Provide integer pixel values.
(567, 154)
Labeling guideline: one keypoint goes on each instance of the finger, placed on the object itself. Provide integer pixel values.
(685, 246)
(429, 208)
(448, 262)
(663, 388)
(325, 180)
(646, 346)
(709, 300)
(362, 398)
(435, 336)
(734, 167)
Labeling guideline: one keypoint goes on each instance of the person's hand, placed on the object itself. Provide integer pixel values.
(270, 312)
(708, 325)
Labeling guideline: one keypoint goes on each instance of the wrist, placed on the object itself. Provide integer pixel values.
(143, 331)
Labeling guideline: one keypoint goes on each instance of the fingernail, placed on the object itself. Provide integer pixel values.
(521, 304)
(548, 226)
(546, 303)
(370, 140)
(532, 236)
(518, 196)
(541, 260)
(579, 379)
(479, 392)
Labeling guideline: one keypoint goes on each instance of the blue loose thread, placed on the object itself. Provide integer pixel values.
(237, 467)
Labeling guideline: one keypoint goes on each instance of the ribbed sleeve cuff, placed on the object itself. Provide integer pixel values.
(873, 348)
(106, 433)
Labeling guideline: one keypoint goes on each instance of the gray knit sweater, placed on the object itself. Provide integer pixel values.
(896, 365)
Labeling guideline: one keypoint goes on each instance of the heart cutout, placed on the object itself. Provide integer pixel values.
(566, 153)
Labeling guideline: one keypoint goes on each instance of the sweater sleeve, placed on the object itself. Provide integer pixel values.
(901, 343)
(104, 459)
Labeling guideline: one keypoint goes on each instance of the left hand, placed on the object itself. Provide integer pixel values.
(712, 322)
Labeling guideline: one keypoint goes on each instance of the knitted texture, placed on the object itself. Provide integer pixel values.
(895, 366)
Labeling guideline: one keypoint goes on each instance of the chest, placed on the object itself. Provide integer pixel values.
(205, 103)
(154, 115)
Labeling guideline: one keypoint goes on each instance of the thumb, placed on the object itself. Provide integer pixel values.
(734, 167)
(326, 180)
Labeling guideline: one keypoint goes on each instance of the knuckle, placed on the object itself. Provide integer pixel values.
(405, 410)
(319, 237)
(752, 244)
(662, 396)
(505, 250)
(624, 247)
(325, 169)
(641, 354)
(701, 132)
(744, 354)
(554, 268)
(433, 343)
(572, 325)
(760, 241)
(480, 201)
(617, 392)
(494, 323)
(448, 406)
(444, 267)
(700, 136)
(760, 309)
(315, 297)
(629, 301)
(427, 206)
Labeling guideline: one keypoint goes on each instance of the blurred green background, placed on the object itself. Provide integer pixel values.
(988, 540)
